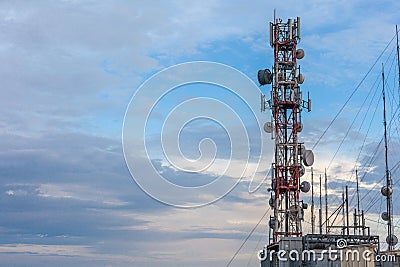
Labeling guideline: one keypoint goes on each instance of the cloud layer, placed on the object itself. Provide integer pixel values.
(69, 70)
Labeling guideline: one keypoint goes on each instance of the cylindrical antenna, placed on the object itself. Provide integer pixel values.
(298, 28)
(271, 34)
(270, 229)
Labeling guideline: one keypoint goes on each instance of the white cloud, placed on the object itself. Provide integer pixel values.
(62, 250)
(81, 193)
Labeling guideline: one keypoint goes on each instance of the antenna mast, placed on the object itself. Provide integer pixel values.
(286, 104)
(326, 203)
(387, 190)
(398, 54)
(320, 204)
(312, 202)
(358, 203)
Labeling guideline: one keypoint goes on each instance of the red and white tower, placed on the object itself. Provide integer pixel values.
(286, 104)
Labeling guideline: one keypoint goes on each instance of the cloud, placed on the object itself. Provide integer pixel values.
(69, 69)
(68, 202)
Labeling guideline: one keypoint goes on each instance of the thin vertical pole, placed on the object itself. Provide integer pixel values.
(363, 223)
(312, 202)
(355, 221)
(358, 203)
(347, 210)
(343, 215)
(326, 203)
(398, 55)
(320, 204)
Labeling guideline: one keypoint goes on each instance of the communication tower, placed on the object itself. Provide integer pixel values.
(286, 104)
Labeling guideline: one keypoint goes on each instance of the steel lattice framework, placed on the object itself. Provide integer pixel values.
(286, 104)
(286, 97)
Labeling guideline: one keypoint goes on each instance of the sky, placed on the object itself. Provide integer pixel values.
(72, 72)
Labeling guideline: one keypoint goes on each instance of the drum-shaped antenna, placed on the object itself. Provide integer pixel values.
(299, 53)
(305, 186)
(271, 202)
(272, 222)
(386, 191)
(308, 158)
(299, 127)
(268, 127)
(385, 216)
(392, 240)
(264, 76)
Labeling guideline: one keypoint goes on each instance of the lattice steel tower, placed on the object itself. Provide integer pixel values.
(286, 104)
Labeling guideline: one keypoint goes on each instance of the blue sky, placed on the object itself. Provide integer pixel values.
(69, 71)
